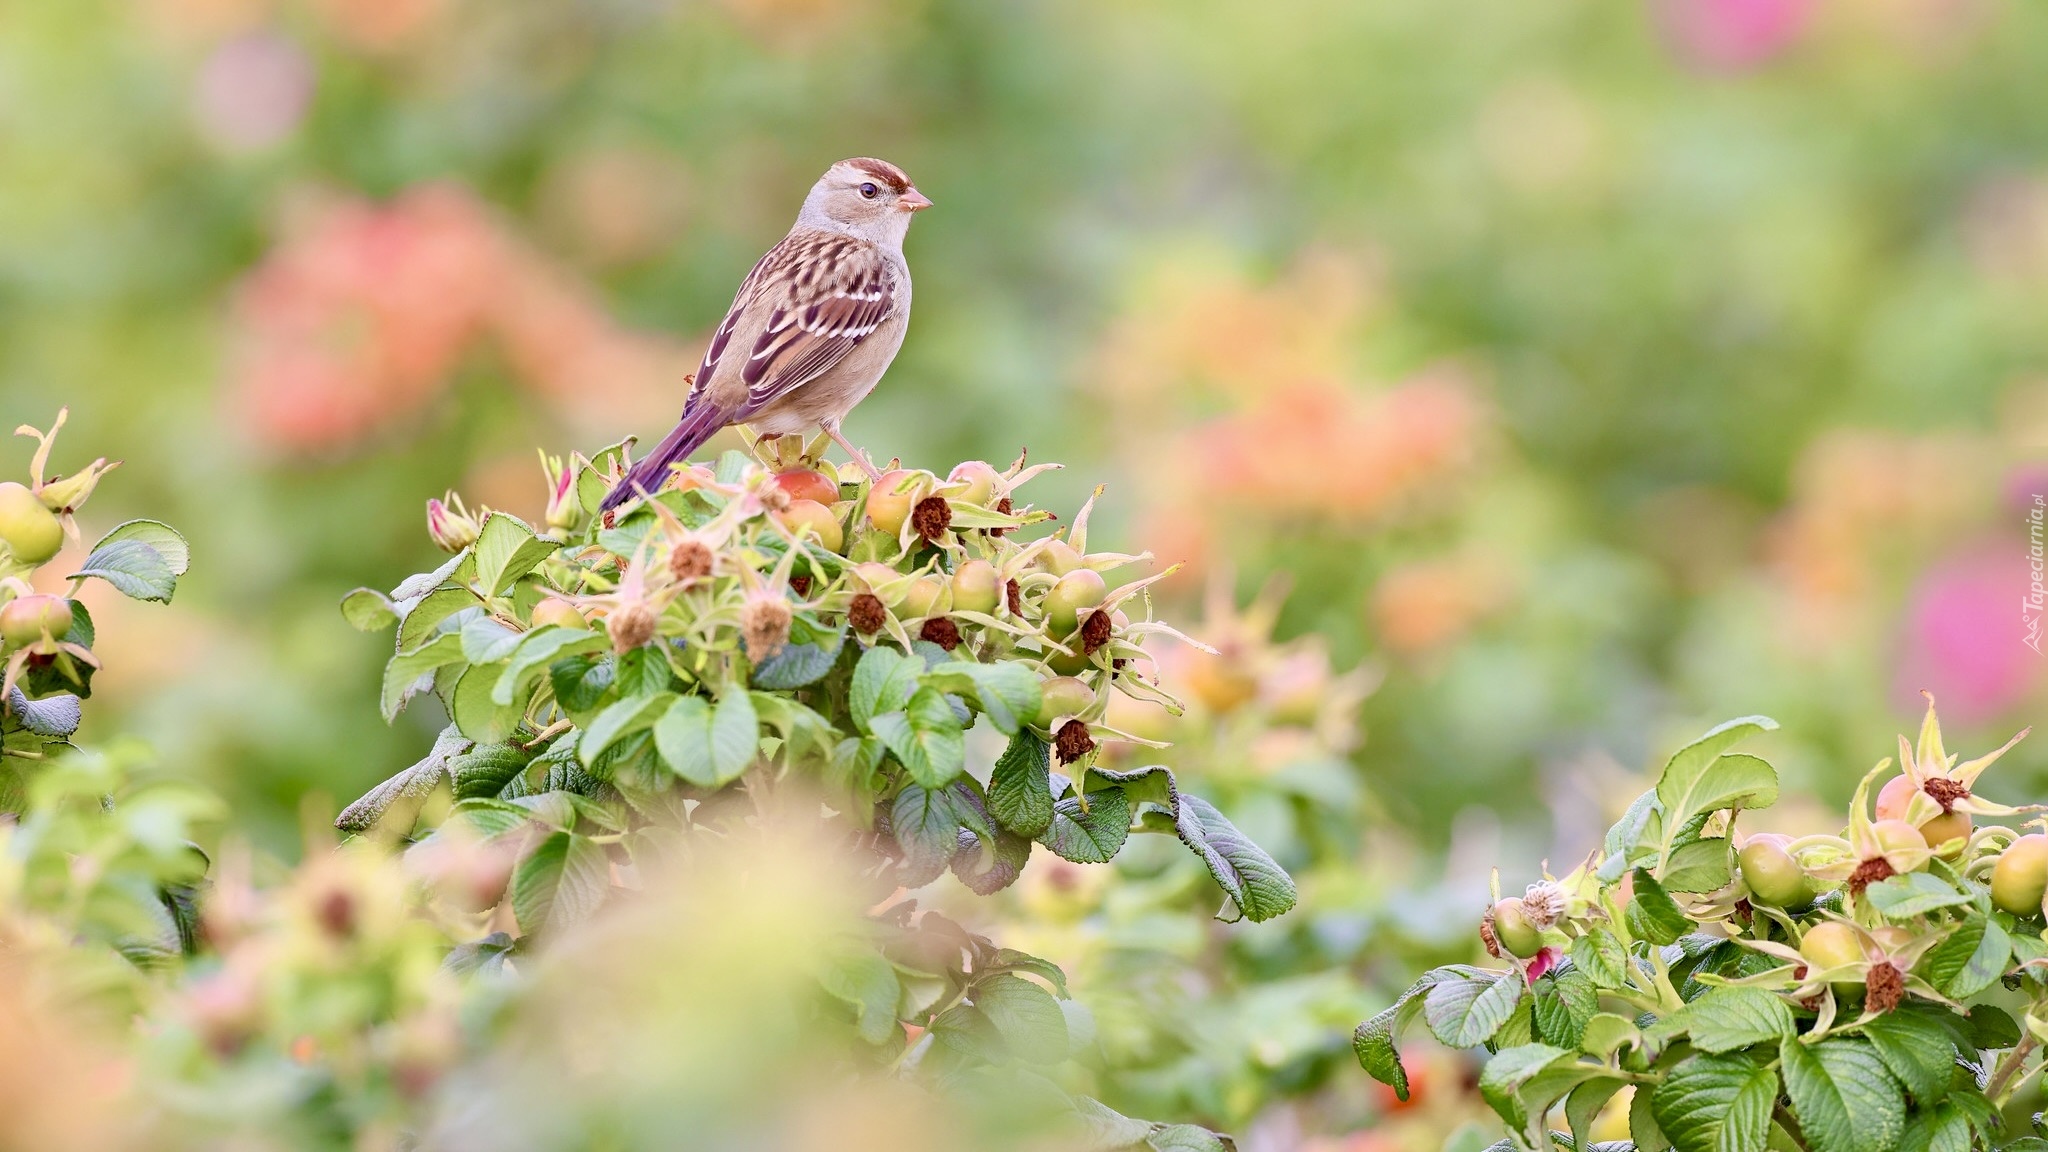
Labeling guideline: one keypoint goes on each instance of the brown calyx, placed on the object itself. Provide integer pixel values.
(1945, 791)
(1486, 933)
(1884, 987)
(931, 517)
(941, 631)
(1014, 595)
(1095, 631)
(866, 613)
(1072, 741)
(1870, 872)
(689, 560)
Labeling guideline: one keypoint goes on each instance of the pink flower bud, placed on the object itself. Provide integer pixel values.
(452, 528)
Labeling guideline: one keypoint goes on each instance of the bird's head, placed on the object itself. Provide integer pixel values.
(869, 198)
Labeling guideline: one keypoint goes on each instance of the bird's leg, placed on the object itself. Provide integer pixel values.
(859, 457)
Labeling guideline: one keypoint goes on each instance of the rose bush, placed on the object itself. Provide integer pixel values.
(1882, 988)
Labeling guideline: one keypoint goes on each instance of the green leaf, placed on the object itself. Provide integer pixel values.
(476, 714)
(621, 719)
(1186, 1138)
(1091, 836)
(505, 550)
(1586, 1103)
(486, 641)
(1007, 693)
(410, 673)
(1698, 866)
(560, 883)
(1606, 1033)
(368, 610)
(1256, 884)
(1710, 1103)
(925, 738)
(1601, 957)
(1028, 1017)
(1728, 1018)
(1501, 1082)
(1020, 786)
(142, 558)
(1970, 959)
(53, 717)
(1564, 1003)
(926, 824)
(1918, 1049)
(709, 747)
(413, 784)
(1946, 1128)
(1642, 1124)
(1693, 781)
(1466, 1013)
(1376, 1046)
(538, 649)
(1913, 894)
(1641, 824)
(486, 769)
(1842, 1095)
(1991, 1028)
(863, 978)
(883, 681)
(797, 665)
(1652, 914)
(422, 620)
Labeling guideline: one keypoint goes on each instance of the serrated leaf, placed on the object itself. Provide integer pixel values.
(414, 783)
(1947, 1128)
(368, 610)
(474, 712)
(1913, 894)
(1375, 1044)
(538, 649)
(1917, 1048)
(1030, 1021)
(1500, 1083)
(1843, 1096)
(1466, 1013)
(505, 550)
(1710, 1103)
(1601, 957)
(422, 620)
(1091, 836)
(1727, 1018)
(142, 558)
(797, 665)
(1606, 1033)
(53, 717)
(882, 682)
(1020, 786)
(1991, 1028)
(925, 738)
(486, 769)
(1698, 780)
(864, 979)
(560, 883)
(410, 673)
(1698, 866)
(486, 641)
(1007, 693)
(621, 719)
(1254, 881)
(1970, 959)
(1585, 1104)
(1652, 914)
(926, 825)
(1563, 1005)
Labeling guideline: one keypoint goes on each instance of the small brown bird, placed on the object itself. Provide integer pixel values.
(813, 327)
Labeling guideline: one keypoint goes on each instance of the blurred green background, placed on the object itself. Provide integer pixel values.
(1593, 371)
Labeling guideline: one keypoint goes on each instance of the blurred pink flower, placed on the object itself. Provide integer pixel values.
(1733, 34)
(252, 91)
(1965, 636)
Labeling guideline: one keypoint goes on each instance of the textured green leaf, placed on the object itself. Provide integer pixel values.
(1376, 1045)
(864, 979)
(1843, 1096)
(486, 769)
(410, 673)
(1698, 866)
(1601, 957)
(52, 717)
(414, 783)
(797, 665)
(1028, 1017)
(424, 619)
(539, 648)
(1186, 1138)
(1007, 693)
(1564, 1003)
(142, 558)
(1970, 959)
(1944, 1128)
(621, 719)
(368, 610)
(925, 738)
(1728, 1018)
(1501, 1082)
(1710, 1103)
(505, 550)
(1913, 894)
(1466, 1013)
(1256, 884)
(882, 682)
(1093, 836)
(486, 641)
(1020, 786)
(1919, 1050)
(1652, 914)
(926, 824)
(1585, 1104)
(473, 710)
(1700, 778)
(560, 883)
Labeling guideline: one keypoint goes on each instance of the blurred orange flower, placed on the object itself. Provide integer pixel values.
(1424, 605)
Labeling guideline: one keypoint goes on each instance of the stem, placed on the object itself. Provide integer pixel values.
(1784, 1118)
(2006, 1077)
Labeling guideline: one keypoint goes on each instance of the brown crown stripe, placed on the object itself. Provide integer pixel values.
(897, 180)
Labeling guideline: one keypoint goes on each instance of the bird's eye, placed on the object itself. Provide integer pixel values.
(868, 191)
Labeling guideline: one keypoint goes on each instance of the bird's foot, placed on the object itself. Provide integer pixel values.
(860, 458)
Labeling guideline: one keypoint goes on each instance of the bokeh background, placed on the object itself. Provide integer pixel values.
(1586, 372)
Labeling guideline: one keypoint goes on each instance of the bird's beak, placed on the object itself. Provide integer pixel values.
(914, 201)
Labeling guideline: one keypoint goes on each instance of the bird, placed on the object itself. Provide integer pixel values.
(812, 327)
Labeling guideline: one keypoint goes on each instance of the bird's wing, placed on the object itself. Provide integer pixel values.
(812, 299)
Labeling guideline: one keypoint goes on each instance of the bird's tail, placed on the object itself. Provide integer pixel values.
(697, 425)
